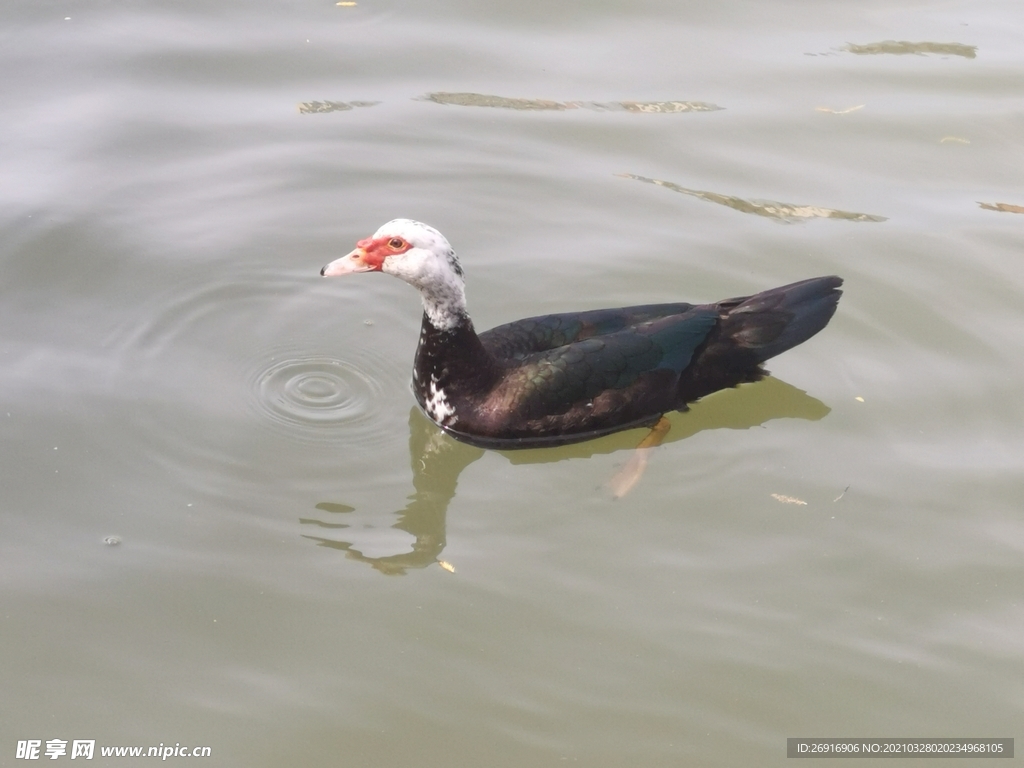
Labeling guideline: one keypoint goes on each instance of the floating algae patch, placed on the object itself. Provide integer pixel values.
(319, 107)
(902, 47)
(656, 106)
(785, 212)
(499, 102)
(504, 102)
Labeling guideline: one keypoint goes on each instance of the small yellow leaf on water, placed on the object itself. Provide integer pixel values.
(788, 499)
(859, 399)
(347, 3)
(954, 139)
(446, 565)
(846, 111)
(1004, 207)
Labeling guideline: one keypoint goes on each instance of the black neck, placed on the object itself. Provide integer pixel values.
(454, 358)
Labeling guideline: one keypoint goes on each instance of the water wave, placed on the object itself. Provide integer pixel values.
(316, 398)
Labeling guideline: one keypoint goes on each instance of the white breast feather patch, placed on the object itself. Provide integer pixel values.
(437, 406)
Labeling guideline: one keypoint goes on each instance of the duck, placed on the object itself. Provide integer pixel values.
(575, 376)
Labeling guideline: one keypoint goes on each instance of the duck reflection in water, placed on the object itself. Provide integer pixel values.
(437, 461)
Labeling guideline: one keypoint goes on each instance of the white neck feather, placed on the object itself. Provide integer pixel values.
(442, 288)
(444, 304)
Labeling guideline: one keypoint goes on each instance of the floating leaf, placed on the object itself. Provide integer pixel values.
(503, 102)
(446, 565)
(902, 47)
(1004, 207)
(789, 499)
(846, 111)
(317, 107)
(775, 210)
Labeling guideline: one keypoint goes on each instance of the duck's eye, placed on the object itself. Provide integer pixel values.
(396, 243)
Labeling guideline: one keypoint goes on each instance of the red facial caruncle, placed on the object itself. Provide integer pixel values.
(375, 250)
(368, 255)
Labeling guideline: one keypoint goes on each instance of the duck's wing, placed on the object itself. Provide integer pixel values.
(515, 341)
(604, 368)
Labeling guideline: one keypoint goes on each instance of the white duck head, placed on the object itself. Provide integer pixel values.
(419, 255)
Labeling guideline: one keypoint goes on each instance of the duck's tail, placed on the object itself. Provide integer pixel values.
(752, 329)
(770, 322)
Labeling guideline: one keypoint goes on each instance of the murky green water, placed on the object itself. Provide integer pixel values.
(222, 519)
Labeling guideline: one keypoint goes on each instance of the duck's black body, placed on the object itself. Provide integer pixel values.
(565, 378)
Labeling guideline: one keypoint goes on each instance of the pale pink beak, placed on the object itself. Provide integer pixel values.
(347, 264)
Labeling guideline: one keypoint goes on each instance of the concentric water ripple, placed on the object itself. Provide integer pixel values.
(315, 398)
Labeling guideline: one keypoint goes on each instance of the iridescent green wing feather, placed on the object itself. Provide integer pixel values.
(538, 334)
(554, 380)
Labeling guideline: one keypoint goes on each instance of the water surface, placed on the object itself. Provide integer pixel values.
(177, 376)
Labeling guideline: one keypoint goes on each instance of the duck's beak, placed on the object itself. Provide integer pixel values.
(354, 261)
